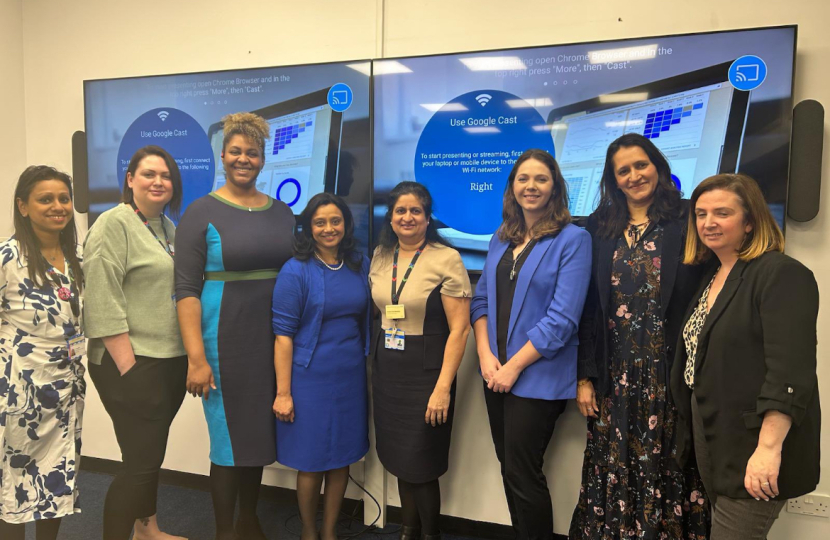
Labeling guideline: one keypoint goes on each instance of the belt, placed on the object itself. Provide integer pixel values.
(242, 275)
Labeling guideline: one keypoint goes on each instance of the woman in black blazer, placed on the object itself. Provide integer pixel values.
(744, 378)
(636, 300)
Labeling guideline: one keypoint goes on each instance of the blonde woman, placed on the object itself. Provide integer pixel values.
(744, 378)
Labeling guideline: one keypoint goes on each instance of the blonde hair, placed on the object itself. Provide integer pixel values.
(249, 125)
(765, 234)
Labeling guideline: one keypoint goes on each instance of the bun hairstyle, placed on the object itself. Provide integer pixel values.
(250, 125)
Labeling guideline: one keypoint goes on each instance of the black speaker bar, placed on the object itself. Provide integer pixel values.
(805, 161)
(80, 172)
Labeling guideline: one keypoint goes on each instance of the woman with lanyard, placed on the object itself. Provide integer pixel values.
(426, 320)
(231, 245)
(41, 346)
(525, 314)
(136, 357)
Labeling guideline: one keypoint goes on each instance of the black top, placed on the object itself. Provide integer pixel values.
(756, 352)
(505, 289)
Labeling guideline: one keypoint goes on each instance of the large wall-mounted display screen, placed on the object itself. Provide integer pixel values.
(319, 131)
(718, 102)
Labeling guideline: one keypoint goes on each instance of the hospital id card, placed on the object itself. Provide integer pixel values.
(76, 346)
(394, 339)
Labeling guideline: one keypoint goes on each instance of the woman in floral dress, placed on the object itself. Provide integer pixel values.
(631, 485)
(41, 347)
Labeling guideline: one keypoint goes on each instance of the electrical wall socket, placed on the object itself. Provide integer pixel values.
(813, 504)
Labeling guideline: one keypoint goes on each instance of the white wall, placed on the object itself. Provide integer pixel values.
(13, 136)
(67, 42)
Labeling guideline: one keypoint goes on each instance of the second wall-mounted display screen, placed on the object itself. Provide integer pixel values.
(711, 103)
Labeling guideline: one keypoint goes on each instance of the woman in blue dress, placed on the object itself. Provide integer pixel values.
(321, 319)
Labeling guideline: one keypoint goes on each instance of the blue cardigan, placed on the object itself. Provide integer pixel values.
(298, 302)
(547, 306)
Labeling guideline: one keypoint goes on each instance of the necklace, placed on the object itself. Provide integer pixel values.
(329, 266)
(53, 258)
(635, 231)
(516, 260)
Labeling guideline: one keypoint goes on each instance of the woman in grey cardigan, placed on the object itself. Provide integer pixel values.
(136, 356)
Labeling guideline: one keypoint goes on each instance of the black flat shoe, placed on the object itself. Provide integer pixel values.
(410, 533)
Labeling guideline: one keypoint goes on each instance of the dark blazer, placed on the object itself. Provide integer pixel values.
(678, 283)
(756, 352)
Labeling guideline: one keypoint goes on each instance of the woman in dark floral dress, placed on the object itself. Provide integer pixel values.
(631, 485)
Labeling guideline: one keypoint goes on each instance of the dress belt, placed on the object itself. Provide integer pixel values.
(242, 275)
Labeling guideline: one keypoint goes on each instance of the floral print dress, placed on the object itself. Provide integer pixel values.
(632, 486)
(41, 394)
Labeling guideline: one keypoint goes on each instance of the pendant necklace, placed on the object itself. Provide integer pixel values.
(516, 260)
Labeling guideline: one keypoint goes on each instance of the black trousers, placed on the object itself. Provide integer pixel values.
(521, 429)
(142, 405)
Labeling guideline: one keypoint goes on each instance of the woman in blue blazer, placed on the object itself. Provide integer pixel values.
(321, 318)
(525, 314)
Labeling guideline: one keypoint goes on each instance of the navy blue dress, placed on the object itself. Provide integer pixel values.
(330, 428)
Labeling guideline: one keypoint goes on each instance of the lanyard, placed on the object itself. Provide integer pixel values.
(166, 245)
(397, 295)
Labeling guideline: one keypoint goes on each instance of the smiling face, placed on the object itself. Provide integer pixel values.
(721, 222)
(48, 207)
(533, 187)
(151, 185)
(242, 160)
(636, 175)
(409, 221)
(328, 227)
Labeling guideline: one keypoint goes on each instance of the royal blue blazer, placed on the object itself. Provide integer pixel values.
(298, 302)
(547, 306)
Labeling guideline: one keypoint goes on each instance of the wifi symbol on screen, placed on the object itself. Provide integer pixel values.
(740, 77)
(163, 115)
(484, 99)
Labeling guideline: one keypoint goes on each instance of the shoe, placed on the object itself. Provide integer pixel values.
(410, 533)
(436, 536)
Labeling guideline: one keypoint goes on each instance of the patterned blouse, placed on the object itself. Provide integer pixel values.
(691, 332)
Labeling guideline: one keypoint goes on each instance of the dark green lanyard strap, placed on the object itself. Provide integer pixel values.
(168, 248)
(397, 295)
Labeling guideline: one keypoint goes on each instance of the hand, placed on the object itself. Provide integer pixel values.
(284, 408)
(489, 365)
(200, 379)
(504, 379)
(438, 408)
(124, 367)
(586, 398)
(761, 480)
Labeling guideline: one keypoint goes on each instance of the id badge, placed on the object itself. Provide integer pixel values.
(394, 339)
(395, 311)
(77, 346)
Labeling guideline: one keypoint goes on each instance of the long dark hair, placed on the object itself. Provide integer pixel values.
(304, 243)
(25, 235)
(388, 239)
(556, 216)
(612, 211)
(175, 204)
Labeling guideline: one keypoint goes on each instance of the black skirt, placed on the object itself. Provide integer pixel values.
(402, 383)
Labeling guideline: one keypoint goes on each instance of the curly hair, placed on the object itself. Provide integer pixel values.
(249, 125)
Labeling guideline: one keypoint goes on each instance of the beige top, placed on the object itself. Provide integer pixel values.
(438, 267)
